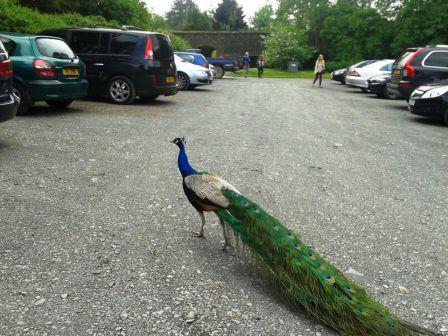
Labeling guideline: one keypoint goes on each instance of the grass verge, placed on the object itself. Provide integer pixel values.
(273, 73)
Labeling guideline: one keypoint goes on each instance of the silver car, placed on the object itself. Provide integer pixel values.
(190, 75)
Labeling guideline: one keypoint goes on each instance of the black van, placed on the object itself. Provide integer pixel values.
(123, 64)
(416, 67)
(8, 103)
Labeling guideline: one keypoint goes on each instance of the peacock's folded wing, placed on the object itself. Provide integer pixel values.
(207, 187)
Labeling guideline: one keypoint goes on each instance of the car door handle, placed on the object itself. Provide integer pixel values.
(98, 64)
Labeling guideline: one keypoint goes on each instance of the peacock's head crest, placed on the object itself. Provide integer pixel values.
(179, 141)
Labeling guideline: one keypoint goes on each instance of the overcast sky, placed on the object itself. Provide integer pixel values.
(249, 6)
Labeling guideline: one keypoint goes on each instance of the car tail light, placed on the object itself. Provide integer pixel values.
(354, 73)
(205, 65)
(149, 52)
(44, 68)
(409, 70)
(6, 68)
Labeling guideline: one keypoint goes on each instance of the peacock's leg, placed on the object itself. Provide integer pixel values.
(200, 234)
(224, 231)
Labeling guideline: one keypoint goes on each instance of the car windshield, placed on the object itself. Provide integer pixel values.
(187, 57)
(9, 45)
(404, 58)
(54, 48)
(364, 63)
(203, 59)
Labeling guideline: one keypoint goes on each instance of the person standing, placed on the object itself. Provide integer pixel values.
(246, 63)
(260, 66)
(319, 69)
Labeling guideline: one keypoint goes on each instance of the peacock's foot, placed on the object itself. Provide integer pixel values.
(227, 245)
(198, 234)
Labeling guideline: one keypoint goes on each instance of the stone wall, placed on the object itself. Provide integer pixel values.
(226, 43)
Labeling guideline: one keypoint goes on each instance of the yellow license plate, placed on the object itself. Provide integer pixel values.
(70, 72)
(396, 72)
(170, 79)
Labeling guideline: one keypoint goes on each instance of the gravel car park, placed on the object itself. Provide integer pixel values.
(96, 233)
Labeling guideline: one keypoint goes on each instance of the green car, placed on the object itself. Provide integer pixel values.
(45, 69)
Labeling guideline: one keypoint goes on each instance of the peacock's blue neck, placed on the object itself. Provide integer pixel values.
(182, 162)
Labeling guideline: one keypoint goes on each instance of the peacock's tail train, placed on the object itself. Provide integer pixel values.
(308, 279)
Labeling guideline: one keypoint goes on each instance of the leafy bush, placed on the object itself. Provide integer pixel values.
(178, 43)
(336, 65)
(286, 43)
(14, 18)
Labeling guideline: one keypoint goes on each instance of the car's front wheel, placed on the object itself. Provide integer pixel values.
(21, 96)
(219, 72)
(121, 90)
(60, 104)
(183, 82)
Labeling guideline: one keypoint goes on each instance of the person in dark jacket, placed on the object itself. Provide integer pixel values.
(246, 63)
(260, 66)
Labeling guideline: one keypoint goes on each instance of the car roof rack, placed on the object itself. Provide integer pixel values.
(102, 26)
(131, 28)
(438, 46)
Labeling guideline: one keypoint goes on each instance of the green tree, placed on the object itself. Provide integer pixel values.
(300, 12)
(186, 15)
(159, 22)
(388, 8)
(305, 14)
(262, 19)
(229, 16)
(126, 12)
(286, 43)
(57, 6)
(419, 23)
(352, 33)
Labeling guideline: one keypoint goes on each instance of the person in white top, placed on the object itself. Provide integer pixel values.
(319, 69)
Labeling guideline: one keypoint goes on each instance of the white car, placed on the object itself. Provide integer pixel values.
(190, 75)
(358, 76)
(213, 69)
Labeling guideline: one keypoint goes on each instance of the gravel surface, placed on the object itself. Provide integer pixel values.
(95, 232)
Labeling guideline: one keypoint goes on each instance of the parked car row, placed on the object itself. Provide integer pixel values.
(61, 65)
(8, 104)
(418, 75)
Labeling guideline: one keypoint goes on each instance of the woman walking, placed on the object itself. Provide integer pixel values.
(260, 66)
(319, 69)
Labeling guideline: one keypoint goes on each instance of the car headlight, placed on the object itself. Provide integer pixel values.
(417, 93)
(435, 92)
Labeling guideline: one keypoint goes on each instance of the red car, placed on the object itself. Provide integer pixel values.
(8, 103)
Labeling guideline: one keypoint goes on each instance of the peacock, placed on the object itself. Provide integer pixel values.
(306, 278)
